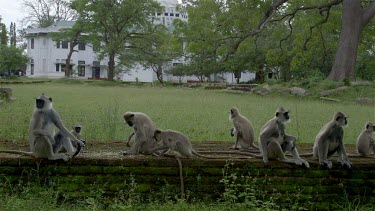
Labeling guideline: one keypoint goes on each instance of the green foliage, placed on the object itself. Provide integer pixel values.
(248, 191)
(116, 26)
(11, 58)
(158, 50)
(3, 35)
(366, 66)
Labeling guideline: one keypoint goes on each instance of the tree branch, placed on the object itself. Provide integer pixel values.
(368, 14)
(312, 27)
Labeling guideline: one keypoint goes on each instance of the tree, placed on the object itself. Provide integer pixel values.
(74, 37)
(115, 25)
(158, 50)
(355, 17)
(199, 35)
(11, 58)
(3, 35)
(43, 13)
(238, 26)
(12, 33)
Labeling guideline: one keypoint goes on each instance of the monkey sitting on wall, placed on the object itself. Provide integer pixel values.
(274, 142)
(42, 132)
(60, 140)
(365, 142)
(330, 140)
(242, 129)
(144, 130)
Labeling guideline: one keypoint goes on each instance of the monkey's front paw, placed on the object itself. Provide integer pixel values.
(328, 164)
(65, 157)
(298, 162)
(307, 165)
(347, 164)
(266, 162)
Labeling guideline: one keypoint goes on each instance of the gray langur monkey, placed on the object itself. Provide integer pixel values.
(274, 142)
(60, 140)
(242, 129)
(177, 142)
(41, 132)
(330, 140)
(144, 130)
(365, 142)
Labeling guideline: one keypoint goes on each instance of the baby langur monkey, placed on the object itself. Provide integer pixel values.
(274, 142)
(242, 129)
(365, 141)
(60, 139)
(177, 142)
(330, 140)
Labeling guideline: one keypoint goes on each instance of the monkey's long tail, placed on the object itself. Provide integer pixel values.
(18, 152)
(358, 155)
(181, 174)
(306, 155)
(234, 153)
(220, 152)
(254, 146)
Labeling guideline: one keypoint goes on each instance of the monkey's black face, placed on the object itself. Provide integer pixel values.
(77, 129)
(286, 115)
(130, 123)
(39, 103)
(346, 120)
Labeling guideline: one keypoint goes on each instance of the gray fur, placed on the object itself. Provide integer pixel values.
(274, 142)
(329, 140)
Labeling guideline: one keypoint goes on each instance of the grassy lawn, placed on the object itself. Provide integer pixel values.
(200, 114)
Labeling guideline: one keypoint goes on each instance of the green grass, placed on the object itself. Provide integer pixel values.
(200, 114)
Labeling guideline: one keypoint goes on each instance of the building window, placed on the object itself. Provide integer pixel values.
(159, 14)
(81, 68)
(81, 46)
(32, 43)
(57, 67)
(177, 14)
(63, 67)
(171, 14)
(166, 14)
(64, 44)
(32, 67)
(58, 44)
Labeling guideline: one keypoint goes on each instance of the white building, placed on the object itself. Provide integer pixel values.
(48, 56)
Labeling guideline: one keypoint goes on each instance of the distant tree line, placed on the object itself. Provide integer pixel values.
(284, 39)
(12, 58)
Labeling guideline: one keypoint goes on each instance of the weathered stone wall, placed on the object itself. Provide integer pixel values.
(323, 188)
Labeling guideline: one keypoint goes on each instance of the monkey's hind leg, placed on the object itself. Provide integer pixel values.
(181, 174)
(43, 149)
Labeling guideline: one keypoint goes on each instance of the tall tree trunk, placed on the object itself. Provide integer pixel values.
(67, 61)
(354, 19)
(73, 44)
(111, 66)
(159, 74)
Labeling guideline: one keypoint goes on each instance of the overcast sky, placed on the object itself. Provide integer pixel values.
(11, 11)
